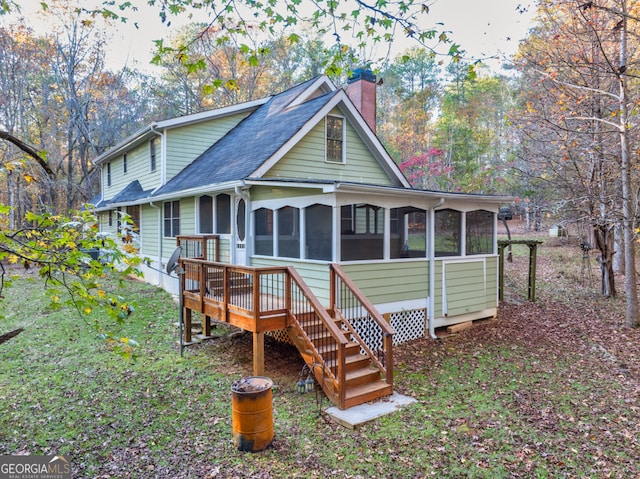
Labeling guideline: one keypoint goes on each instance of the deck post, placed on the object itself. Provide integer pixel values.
(186, 314)
(258, 354)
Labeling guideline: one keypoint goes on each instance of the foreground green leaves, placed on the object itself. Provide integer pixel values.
(82, 268)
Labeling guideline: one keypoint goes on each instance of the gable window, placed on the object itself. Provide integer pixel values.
(124, 163)
(109, 174)
(152, 154)
(171, 218)
(223, 214)
(479, 232)
(289, 232)
(335, 139)
(205, 214)
(447, 231)
(264, 232)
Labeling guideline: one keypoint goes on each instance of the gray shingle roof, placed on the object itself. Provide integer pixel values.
(132, 192)
(252, 142)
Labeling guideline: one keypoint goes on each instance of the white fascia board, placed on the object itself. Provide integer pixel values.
(211, 114)
(325, 187)
(201, 190)
(429, 195)
(323, 83)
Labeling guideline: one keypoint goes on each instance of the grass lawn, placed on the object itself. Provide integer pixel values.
(547, 390)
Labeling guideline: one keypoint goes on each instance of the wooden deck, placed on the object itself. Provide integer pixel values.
(350, 370)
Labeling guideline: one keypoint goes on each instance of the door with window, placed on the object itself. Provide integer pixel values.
(240, 234)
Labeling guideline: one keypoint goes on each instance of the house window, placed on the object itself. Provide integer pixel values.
(289, 232)
(152, 154)
(109, 174)
(134, 217)
(110, 220)
(408, 233)
(124, 163)
(131, 227)
(447, 231)
(318, 232)
(335, 139)
(479, 232)
(362, 232)
(263, 232)
(223, 214)
(205, 214)
(171, 218)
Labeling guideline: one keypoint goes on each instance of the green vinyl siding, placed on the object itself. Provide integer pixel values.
(137, 169)
(315, 275)
(225, 250)
(148, 231)
(491, 298)
(306, 160)
(104, 222)
(185, 144)
(469, 286)
(391, 282)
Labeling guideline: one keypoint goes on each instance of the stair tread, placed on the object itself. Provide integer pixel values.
(369, 388)
(350, 348)
(358, 373)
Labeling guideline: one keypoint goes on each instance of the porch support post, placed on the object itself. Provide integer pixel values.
(501, 247)
(258, 354)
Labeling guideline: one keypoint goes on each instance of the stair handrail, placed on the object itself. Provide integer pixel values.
(387, 329)
(333, 329)
(360, 341)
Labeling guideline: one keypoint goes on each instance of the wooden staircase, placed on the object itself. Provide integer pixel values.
(340, 360)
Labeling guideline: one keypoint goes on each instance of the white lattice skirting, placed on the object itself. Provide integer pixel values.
(408, 325)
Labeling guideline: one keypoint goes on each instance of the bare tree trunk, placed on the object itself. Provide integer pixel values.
(618, 257)
(604, 242)
(628, 211)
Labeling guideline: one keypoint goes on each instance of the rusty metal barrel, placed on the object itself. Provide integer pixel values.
(252, 413)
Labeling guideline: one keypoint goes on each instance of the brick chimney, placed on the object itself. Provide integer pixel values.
(361, 89)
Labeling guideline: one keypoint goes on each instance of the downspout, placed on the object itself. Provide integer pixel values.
(431, 303)
(153, 205)
(163, 170)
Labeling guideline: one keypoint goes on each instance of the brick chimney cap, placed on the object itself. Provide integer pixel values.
(362, 74)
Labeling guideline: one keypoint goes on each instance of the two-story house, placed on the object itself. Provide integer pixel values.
(300, 178)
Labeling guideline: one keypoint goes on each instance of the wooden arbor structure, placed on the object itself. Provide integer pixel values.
(533, 253)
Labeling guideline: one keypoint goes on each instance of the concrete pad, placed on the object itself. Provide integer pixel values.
(363, 413)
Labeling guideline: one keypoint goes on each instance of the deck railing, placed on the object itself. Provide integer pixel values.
(362, 321)
(205, 247)
(263, 299)
(254, 298)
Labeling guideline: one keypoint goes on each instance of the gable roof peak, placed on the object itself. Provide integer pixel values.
(313, 88)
